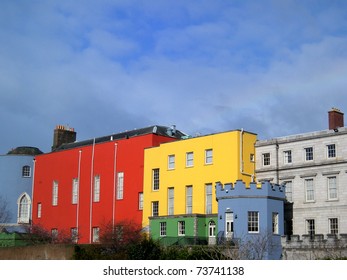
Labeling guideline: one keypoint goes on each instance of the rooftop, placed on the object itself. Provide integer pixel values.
(155, 129)
(303, 136)
(24, 150)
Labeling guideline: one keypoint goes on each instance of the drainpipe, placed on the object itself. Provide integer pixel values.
(78, 190)
(114, 186)
(32, 192)
(277, 164)
(241, 157)
(91, 192)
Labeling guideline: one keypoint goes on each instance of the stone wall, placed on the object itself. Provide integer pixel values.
(38, 252)
(314, 247)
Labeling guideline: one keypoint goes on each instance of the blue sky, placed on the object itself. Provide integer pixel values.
(271, 67)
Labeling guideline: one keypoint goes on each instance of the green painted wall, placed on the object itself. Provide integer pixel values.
(196, 229)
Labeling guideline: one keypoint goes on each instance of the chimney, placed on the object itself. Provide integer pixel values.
(63, 135)
(335, 119)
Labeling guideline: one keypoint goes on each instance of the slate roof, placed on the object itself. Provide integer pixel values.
(31, 151)
(155, 129)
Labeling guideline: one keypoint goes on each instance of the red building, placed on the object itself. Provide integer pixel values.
(82, 186)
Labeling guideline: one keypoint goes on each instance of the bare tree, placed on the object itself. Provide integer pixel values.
(248, 247)
(5, 214)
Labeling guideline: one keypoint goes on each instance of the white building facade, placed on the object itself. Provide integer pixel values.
(314, 168)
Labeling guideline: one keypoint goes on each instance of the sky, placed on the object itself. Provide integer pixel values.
(274, 68)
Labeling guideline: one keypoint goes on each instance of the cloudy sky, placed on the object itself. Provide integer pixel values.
(271, 67)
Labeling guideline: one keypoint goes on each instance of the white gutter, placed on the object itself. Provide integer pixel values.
(91, 193)
(241, 157)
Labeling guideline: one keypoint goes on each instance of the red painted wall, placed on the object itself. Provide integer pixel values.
(125, 155)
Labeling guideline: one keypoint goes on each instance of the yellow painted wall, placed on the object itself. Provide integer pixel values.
(225, 168)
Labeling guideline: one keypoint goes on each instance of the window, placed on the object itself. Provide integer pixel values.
(26, 171)
(181, 228)
(189, 199)
(96, 234)
(253, 221)
(171, 162)
(74, 235)
(275, 223)
(24, 208)
(252, 157)
(189, 159)
(39, 210)
(140, 201)
(331, 151)
(333, 226)
(332, 188)
(75, 191)
(212, 229)
(309, 190)
(229, 224)
(171, 200)
(310, 226)
(120, 185)
(309, 154)
(208, 188)
(266, 159)
(55, 193)
(96, 190)
(208, 156)
(155, 208)
(155, 179)
(162, 228)
(54, 233)
(289, 191)
(287, 157)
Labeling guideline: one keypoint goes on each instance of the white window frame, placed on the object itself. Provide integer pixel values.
(287, 156)
(289, 190)
(253, 222)
(24, 205)
(120, 185)
(141, 201)
(95, 234)
(171, 201)
(181, 225)
(39, 210)
(310, 227)
(309, 153)
(209, 156)
(212, 229)
(155, 179)
(275, 226)
(309, 190)
(75, 186)
(74, 235)
(55, 192)
(162, 228)
(189, 199)
(208, 198)
(266, 159)
(189, 159)
(155, 208)
(171, 162)
(332, 188)
(333, 225)
(96, 189)
(331, 151)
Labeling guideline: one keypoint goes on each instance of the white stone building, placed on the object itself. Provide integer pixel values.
(314, 168)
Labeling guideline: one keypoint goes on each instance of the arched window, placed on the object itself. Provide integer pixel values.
(24, 204)
(26, 171)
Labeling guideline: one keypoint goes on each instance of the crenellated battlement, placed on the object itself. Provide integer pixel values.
(239, 190)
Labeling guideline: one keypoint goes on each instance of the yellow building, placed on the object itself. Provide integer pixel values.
(179, 177)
